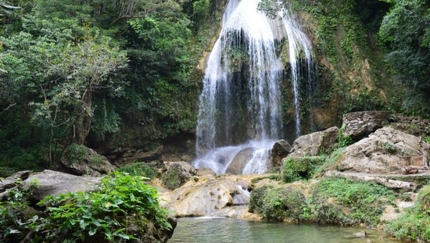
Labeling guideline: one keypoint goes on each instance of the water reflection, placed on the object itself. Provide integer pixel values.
(222, 230)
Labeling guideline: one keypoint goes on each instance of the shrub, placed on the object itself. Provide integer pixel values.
(301, 168)
(139, 169)
(123, 208)
(278, 203)
(346, 202)
(15, 214)
(413, 225)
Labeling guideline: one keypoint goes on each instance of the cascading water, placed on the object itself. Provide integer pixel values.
(241, 98)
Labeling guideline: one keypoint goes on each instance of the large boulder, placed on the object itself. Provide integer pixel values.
(51, 182)
(81, 160)
(385, 151)
(315, 143)
(360, 124)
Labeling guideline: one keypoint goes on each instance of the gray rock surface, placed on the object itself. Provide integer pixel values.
(360, 124)
(315, 143)
(383, 152)
(53, 183)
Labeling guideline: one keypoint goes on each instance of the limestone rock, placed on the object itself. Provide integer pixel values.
(280, 150)
(53, 183)
(314, 143)
(177, 173)
(360, 124)
(88, 163)
(240, 160)
(223, 196)
(385, 151)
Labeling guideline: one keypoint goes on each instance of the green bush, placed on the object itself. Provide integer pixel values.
(346, 202)
(300, 168)
(122, 209)
(278, 203)
(413, 225)
(139, 169)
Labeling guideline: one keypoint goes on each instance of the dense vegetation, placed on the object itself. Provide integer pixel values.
(122, 209)
(83, 71)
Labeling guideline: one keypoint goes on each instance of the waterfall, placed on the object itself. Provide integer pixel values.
(240, 104)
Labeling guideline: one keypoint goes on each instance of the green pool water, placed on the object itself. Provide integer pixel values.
(223, 230)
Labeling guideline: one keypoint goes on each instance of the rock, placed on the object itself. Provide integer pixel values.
(53, 183)
(223, 196)
(122, 156)
(382, 152)
(176, 174)
(280, 150)
(378, 179)
(361, 234)
(360, 124)
(315, 143)
(240, 161)
(11, 181)
(205, 172)
(86, 162)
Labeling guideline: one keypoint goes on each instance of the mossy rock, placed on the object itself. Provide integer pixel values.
(424, 198)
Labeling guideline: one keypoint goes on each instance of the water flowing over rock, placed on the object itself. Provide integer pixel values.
(241, 97)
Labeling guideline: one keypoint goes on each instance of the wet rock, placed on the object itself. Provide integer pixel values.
(240, 160)
(361, 234)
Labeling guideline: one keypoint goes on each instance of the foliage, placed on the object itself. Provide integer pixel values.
(330, 162)
(15, 214)
(347, 202)
(139, 169)
(302, 168)
(342, 139)
(278, 203)
(120, 210)
(413, 224)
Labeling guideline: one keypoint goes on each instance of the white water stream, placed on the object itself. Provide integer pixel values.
(240, 104)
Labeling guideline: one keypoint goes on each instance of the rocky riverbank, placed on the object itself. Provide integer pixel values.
(369, 172)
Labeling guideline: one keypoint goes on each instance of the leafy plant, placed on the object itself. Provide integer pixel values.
(123, 208)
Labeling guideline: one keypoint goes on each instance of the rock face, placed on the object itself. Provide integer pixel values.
(314, 143)
(360, 124)
(53, 183)
(176, 174)
(385, 151)
(89, 162)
